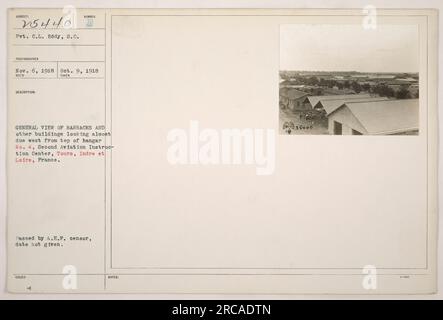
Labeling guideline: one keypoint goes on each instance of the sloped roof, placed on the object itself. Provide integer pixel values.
(285, 82)
(313, 100)
(408, 80)
(382, 76)
(388, 116)
(331, 105)
(292, 93)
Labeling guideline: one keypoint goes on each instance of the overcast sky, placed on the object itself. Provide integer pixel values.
(389, 48)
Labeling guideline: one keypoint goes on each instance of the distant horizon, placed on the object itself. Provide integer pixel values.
(351, 71)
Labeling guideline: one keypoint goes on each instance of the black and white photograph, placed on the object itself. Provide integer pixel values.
(349, 80)
(206, 154)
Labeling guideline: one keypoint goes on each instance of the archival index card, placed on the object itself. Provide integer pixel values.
(222, 151)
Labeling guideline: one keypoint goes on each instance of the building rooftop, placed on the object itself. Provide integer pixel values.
(408, 80)
(292, 94)
(331, 105)
(382, 76)
(387, 116)
(313, 100)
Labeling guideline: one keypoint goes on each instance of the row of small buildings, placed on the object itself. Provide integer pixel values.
(391, 81)
(357, 114)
